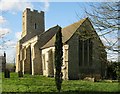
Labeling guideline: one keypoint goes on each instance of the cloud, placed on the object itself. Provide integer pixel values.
(111, 55)
(19, 5)
(2, 20)
(46, 5)
(18, 35)
(10, 44)
(9, 48)
(14, 6)
(4, 31)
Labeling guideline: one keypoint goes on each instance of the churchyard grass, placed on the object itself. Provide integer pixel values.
(38, 83)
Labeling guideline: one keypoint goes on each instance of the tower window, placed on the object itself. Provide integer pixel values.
(35, 26)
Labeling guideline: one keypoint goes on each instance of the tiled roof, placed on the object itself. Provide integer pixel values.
(67, 33)
(43, 38)
(47, 35)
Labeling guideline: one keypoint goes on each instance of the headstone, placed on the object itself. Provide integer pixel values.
(20, 74)
(7, 73)
(89, 79)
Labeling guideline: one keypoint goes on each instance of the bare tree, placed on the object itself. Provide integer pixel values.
(3, 40)
(105, 18)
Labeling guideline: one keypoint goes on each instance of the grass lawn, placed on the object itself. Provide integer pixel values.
(38, 83)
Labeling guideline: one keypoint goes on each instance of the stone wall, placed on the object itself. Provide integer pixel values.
(73, 58)
(48, 66)
(27, 62)
(48, 62)
(37, 60)
(29, 54)
(65, 62)
(18, 56)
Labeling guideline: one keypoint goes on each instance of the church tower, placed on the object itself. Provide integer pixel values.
(32, 22)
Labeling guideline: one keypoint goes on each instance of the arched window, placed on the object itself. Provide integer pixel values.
(85, 52)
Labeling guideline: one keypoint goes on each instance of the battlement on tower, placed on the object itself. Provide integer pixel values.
(33, 11)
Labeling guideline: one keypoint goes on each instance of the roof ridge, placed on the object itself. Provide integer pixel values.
(82, 20)
(48, 30)
(67, 33)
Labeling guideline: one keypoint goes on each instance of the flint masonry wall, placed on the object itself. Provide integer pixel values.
(73, 59)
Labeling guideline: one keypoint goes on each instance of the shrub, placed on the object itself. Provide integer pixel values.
(58, 59)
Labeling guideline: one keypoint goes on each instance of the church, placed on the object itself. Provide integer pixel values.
(84, 54)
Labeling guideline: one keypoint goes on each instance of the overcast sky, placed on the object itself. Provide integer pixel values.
(61, 13)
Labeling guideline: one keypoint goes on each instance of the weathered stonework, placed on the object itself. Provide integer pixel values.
(48, 62)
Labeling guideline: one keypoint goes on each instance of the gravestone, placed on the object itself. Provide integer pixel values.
(7, 73)
(20, 74)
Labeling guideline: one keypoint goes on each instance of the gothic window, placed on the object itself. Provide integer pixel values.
(80, 52)
(85, 52)
(90, 51)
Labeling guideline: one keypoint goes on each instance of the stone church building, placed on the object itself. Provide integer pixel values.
(83, 52)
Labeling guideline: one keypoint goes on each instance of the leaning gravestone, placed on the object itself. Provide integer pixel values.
(20, 74)
(7, 73)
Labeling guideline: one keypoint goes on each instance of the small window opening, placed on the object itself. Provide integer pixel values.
(35, 26)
